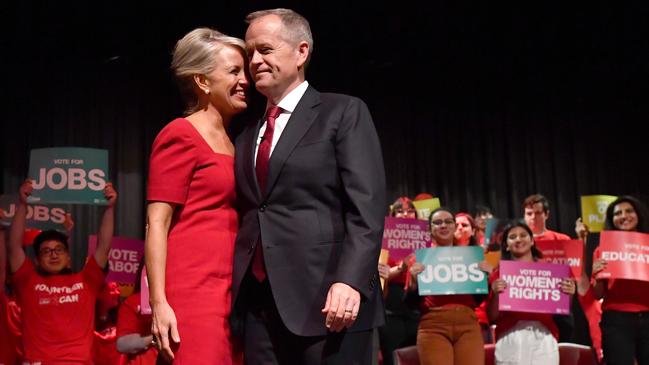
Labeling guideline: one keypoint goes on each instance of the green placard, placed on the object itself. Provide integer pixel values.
(38, 216)
(68, 175)
(593, 210)
(425, 207)
(451, 270)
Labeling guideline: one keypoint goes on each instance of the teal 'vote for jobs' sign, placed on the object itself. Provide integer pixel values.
(451, 270)
(68, 175)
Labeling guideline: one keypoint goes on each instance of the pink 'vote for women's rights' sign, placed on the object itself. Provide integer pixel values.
(533, 287)
(402, 236)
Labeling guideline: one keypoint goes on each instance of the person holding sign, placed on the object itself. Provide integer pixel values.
(191, 218)
(448, 328)
(625, 306)
(58, 306)
(400, 329)
(523, 338)
(10, 346)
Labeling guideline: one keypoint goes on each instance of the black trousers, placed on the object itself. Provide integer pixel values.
(267, 341)
(625, 337)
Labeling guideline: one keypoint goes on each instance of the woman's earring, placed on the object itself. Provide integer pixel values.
(207, 91)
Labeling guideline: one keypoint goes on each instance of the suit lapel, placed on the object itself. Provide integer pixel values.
(249, 157)
(299, 123)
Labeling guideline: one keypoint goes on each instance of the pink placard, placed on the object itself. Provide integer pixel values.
(627, 254)
(568, 252)
(402, 236)
(533, 287)
(123, 259)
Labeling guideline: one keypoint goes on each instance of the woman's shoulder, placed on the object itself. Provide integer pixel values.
(179, 129)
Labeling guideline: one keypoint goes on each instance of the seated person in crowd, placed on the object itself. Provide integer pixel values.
(58, 306)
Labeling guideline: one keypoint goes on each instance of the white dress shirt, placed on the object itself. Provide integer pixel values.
(288, 104)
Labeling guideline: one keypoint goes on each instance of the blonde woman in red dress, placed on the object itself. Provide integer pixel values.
(191, 218)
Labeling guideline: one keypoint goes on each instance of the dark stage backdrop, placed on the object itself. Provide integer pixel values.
(480, 104)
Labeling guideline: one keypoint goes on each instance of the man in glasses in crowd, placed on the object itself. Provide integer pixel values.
(57, 304)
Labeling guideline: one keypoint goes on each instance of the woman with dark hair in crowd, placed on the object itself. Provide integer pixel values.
(465, 230)
(481, 215)
(523, 338)
(465, 236)
(400, 329)
(625, 309)
(448, 328)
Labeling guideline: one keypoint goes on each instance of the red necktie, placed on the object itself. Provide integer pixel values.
(261, 168)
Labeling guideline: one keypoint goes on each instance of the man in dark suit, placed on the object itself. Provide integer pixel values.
(311, 192)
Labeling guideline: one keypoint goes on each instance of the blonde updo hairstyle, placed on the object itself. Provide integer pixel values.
(194, 54)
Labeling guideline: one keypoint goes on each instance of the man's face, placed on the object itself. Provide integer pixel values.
(53, 257)
(274, 60)
(535, 217)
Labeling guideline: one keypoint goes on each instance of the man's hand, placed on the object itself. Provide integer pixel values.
(25, 190)
(341, 309)
(110, 194)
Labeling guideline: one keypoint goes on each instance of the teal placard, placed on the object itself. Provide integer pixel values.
(38, 216)
(68, 175)
(451, 270)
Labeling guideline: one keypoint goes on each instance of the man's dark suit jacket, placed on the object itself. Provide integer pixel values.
(321, 217)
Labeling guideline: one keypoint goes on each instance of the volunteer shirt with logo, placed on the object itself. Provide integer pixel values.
(10, 349)
(58, 313)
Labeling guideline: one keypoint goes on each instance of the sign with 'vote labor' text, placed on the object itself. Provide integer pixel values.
(568, 252)
(123, 259)
(593, 210)
(38, 216)
(403, 236)
(533, 287)
(626, 254)
(451, 270)
(68, 175)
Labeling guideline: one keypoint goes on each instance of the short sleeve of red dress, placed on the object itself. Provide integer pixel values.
(173, 159)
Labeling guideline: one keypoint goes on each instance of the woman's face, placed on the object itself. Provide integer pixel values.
(442, 228)
(481, 221)
(228, 82)
(405, 211)
(519, 242)
(463, 230)
(625, 217)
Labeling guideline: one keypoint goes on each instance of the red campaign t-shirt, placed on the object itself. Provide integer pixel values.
(625, 295)
(507, 320)
(130, 320)
(104, 351)
(10, 347)
(549, 235)
(58, 313)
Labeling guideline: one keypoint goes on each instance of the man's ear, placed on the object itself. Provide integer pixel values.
(303, 50)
